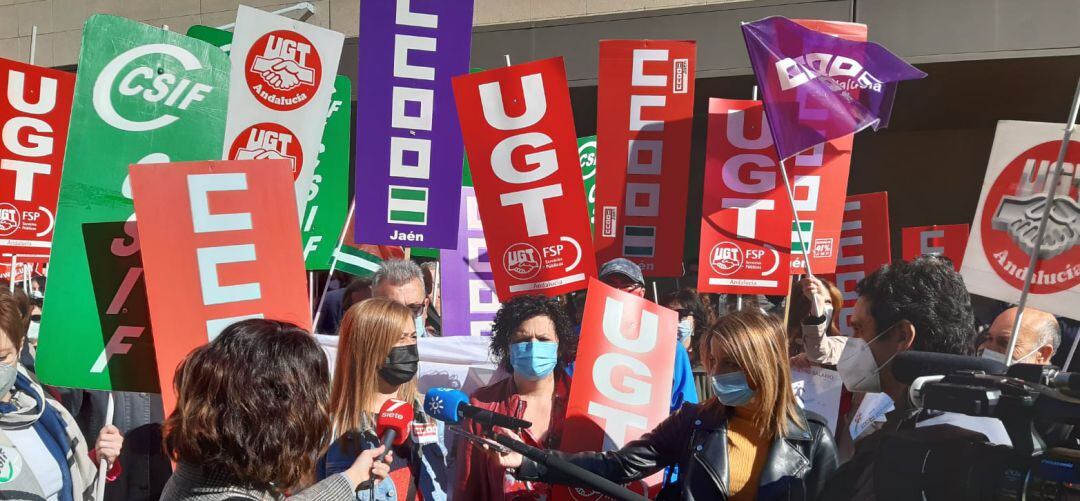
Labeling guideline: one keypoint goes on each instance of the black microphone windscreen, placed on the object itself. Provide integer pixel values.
(910, 365)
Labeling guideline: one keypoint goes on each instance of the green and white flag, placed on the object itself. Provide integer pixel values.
(142, 95)
(357, 262)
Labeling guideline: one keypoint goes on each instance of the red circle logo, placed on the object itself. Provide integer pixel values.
(10, 219)
(522, 261)
(1010, 220)
(283, 70)
(268, 141)
(726, 258)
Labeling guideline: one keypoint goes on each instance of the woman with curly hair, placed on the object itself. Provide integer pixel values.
(251, 417)
(533, 341)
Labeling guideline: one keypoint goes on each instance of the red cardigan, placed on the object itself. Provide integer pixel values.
(480, 477)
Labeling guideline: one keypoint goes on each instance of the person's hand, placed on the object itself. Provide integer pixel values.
(109, 443)
(506, 459)
(366, 467)
(816, 292)
(801, 362)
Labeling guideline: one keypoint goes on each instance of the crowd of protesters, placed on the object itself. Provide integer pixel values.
(262, 413)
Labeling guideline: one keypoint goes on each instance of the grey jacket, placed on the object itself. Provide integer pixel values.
(191, 483)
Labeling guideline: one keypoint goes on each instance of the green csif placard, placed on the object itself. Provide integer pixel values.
(586, 147)
(328, 197)
(142, 95)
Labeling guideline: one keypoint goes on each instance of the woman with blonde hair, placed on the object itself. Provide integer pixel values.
(750, 441)
(377, 361)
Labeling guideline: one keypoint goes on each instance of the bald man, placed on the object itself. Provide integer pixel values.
(1038, 338)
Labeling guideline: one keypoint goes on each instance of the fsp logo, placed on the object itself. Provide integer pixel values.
(149, 82)
(268, 141)
(283, 70)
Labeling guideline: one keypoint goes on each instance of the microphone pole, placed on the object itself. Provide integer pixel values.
(585, 477)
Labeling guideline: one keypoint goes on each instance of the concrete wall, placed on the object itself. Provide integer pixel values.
(60, 22)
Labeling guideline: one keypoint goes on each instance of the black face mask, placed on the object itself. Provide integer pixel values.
(400, 365)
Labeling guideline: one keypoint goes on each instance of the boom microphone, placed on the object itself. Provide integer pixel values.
(449, 405)
(911, 365)
(393, 423)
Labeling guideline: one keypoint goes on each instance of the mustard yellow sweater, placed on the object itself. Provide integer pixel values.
(747, 450)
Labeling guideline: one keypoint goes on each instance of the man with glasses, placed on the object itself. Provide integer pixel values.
(403, 281)
(625, 275)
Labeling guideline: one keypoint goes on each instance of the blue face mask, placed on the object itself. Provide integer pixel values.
(420, 330)
(685, 330)
(534, 360)
(732, 389)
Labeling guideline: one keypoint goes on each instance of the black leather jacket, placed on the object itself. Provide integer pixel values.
(796, 469)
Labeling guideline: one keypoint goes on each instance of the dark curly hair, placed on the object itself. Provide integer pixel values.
(519, 309)
(931, 295)
(252, 405)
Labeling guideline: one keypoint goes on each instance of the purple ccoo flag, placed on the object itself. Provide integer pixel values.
(805, 76)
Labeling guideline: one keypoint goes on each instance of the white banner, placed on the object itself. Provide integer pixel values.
(279, 90)
(1003, 233)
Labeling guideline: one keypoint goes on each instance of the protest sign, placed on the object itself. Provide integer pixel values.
(586, 148)
(519, 135)
(328, 196)
(281, 82)
(819, 390)
(23, 271)
(1007, 218)
(35, 105)
(948, 240)
(864, 247)
(142, 95)
(645, 108)
(468, 290)
(745, 215)
(408, 140)
(220, 244)
(623, 371)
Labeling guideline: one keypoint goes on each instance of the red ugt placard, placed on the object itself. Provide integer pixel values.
(519, 136)
(220, 243)
(622, 373)
(864, 247)
(35, 106)
(745, 215)
(949, 240)
(645, 114)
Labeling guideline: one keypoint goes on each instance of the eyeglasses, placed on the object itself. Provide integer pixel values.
(418, 308)
(683, 313)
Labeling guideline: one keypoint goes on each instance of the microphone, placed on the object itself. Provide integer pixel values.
(393, 423)
(449, 405)
(911, 365)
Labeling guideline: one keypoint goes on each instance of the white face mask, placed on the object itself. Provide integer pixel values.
(989, 354)
(857, 367)
(685, 330)
(32, 331)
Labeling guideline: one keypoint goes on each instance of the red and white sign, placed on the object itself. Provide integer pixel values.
(622, 373)
(220, 243)
(519, 135)
(268, 141)
(864, 247)
(645, 115)
(745, 215)
(283, 70)
(35, 105)
(23, 271)
(1003, 233)
(947, 240)
(279, 90)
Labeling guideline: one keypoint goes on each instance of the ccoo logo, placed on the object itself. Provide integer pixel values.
(268, 141)
(283, 70)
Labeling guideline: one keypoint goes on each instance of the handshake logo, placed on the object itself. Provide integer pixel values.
(1020, 216)
(283, 70)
